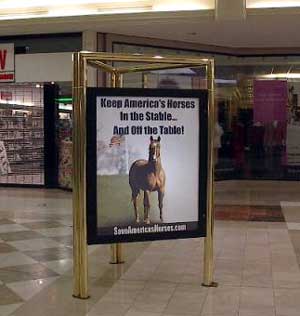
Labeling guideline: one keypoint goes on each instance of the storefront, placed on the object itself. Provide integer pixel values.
(256, 134)
(260, 127)
(35, 123)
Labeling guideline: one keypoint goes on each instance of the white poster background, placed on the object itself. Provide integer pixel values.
(179, 153)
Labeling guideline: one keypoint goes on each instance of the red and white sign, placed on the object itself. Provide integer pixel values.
(7, 63)
(7, 96)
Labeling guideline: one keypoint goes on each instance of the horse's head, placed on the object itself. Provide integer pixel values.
(154, 149)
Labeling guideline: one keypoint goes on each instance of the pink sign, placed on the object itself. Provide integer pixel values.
(270, 101)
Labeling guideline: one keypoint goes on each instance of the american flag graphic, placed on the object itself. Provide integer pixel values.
(116, 140)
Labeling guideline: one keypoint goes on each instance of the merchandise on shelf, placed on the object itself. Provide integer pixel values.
(65, 164)
(22, 136)
(64, 141)
(4, 163)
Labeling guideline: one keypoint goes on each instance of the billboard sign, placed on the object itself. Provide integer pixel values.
(146, 166)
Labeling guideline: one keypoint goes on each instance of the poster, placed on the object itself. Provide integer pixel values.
(147, 164)
(270, 101)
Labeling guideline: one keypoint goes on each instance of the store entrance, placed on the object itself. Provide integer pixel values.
(257, 132)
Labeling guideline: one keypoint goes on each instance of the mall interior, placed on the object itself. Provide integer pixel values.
(255, 45)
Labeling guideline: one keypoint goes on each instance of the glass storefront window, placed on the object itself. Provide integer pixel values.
(258, 111)
(257, 131)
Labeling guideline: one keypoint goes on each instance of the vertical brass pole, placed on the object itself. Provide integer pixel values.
(145, 80)
(116, 254)
(209, 239)
(119, 81)
(113, 80)
(116, 249)
(80, 255)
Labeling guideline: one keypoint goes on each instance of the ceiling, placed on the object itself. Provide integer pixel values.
(264, 29)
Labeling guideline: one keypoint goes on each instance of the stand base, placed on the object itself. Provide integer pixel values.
(81, 298)
(212, 284)
(119, 262)
(116, 255)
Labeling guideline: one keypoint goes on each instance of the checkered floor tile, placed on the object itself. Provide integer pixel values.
(33, 254)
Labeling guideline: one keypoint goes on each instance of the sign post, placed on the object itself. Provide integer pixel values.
(159, 142)
(209, 239)
(116, 249)
(80, 251)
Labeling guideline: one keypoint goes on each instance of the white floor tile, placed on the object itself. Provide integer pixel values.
(34, 244)
(287, 302)
(221, 300)
(9, 228)
(59, 266)
(24, 220)
(55, 232)
(27, 289)
(134, 312)
(103, 308)
(257, 301)
(14, 259)
(6, 310)
(293, 226)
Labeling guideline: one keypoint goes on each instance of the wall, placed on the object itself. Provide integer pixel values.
(44, 67)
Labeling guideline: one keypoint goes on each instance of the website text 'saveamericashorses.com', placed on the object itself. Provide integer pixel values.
(129, 230)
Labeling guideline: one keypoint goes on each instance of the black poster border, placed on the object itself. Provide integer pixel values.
(93, 237)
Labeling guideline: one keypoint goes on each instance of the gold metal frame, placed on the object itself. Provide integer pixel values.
(99, 60)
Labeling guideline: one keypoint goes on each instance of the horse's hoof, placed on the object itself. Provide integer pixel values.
(137, 220)
(161, 219)
(147, 221)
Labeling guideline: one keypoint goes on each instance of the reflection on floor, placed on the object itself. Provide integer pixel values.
(256, 213)
(255, 262)
(256, 192)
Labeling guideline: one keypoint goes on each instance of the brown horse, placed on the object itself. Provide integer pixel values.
(149, 176)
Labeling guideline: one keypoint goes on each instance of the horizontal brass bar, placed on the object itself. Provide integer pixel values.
(99, 64)
(124, 70)
(145, 59)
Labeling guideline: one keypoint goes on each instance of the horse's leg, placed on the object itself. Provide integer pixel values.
(146, 207)
(134, 200)
(161, 194)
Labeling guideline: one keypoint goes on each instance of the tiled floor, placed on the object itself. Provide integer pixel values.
(256, 262)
